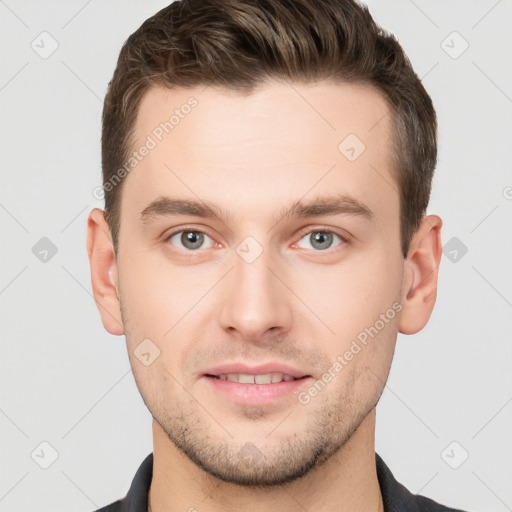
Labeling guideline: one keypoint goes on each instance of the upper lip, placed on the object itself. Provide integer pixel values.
(261, 369)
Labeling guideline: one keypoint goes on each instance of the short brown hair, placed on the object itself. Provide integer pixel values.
(239, 44)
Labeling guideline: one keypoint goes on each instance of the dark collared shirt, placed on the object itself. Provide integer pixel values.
(395, 496)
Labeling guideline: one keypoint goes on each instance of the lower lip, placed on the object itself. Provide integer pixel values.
(257, 394)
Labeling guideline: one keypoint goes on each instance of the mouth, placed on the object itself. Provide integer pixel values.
(258, 385)
(266, 378)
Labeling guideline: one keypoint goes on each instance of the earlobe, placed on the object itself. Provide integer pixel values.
(103, 265)
(421, 275)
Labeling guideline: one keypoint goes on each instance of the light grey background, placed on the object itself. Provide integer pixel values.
(67, 382)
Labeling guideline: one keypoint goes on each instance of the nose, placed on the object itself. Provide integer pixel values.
(256, 302)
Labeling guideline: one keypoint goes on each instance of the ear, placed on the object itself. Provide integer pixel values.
(420, 275)
(103, 264)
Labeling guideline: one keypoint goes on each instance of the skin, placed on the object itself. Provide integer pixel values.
(254, 155)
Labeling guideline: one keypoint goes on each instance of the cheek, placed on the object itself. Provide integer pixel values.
(166, 304)
(360, 304)
(156, 294)
(351, 296)
(366, 356)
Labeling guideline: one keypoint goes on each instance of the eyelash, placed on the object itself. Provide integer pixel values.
(343, 239)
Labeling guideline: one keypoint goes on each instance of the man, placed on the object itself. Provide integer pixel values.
(267, 168)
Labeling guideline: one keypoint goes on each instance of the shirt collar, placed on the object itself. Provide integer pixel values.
(395, 496)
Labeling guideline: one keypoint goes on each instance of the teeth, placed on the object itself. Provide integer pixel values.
(245, 379)
(263, 379)
(267, 378)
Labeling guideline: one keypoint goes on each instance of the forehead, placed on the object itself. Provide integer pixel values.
(277, 141)
(327, 112)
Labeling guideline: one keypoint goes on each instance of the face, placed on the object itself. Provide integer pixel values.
(257, 239)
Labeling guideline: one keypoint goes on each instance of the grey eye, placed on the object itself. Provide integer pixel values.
(319, 240)
(191, 240)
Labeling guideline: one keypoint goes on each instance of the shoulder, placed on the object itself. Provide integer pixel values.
(117, 506)
(397, 498)
(424, 504)
(136, 500)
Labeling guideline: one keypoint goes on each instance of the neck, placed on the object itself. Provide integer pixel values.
(345, 482)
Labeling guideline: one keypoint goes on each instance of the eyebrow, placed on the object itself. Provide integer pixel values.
(332, 205)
